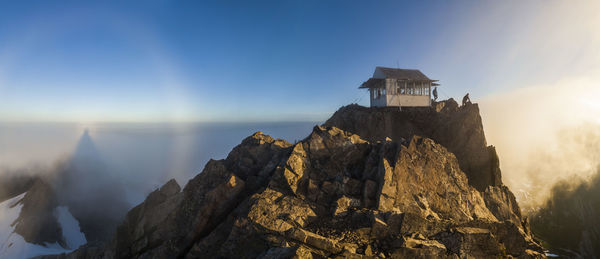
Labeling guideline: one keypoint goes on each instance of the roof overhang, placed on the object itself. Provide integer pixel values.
(374, 83)
(380, 82)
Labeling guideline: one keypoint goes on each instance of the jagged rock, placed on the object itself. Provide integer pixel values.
(345, 203)
(459, 129)
(142, 226)
(13, 183)
(286, 252)
(470, 242)
(502, 203)
(37, 222)
(424, 179)
(331, 195)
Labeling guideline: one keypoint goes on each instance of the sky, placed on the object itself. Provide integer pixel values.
(172, 61)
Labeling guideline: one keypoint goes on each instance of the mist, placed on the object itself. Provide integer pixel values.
(544, 134)
(569, 221)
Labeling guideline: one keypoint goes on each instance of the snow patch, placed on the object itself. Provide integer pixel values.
(70, 228)
(12, 245)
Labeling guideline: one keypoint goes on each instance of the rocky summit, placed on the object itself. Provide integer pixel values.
(370, 183)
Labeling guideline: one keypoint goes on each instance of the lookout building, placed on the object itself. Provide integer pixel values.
(394, 87)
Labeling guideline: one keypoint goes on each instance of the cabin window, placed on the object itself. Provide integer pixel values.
(378, 93)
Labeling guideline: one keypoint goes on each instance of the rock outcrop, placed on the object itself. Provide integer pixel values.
(333, 195)
(457, 128)
(37, 222)
(13, 183)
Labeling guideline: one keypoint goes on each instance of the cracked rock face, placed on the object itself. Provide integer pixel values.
(333, 195)
(458, 128)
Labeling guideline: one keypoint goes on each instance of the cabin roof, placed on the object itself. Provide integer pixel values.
(373, 83)
(383, 73)
(406, 74)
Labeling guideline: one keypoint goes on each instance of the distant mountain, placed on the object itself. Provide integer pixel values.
(79, 187)
(386, 193)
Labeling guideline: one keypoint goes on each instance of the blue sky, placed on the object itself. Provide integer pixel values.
(271, 60)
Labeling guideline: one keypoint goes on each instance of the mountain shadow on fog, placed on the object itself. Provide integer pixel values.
(93, 195)
(84, 185)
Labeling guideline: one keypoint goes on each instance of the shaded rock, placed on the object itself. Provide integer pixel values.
(37, 222)
(13, 183)
(345, 203)
(468, 242)
(286, 252)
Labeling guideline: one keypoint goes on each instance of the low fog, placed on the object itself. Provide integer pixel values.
(544, 134)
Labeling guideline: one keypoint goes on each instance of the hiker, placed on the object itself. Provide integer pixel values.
(466, 99)
(435, 94)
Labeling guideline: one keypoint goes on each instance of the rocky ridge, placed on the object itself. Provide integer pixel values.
(338, 195)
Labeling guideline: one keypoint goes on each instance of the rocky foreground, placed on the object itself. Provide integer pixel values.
(370, 183)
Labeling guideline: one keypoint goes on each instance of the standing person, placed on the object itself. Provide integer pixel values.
(435, 94)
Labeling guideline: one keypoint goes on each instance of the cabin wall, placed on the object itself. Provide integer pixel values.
(408, 95)
(377, 102)
(408, 100)
(393, 98)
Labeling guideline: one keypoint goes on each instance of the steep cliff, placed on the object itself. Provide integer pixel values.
(458, 128)
(334, 194)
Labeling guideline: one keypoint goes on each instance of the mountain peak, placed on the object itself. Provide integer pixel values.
(371, 182)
